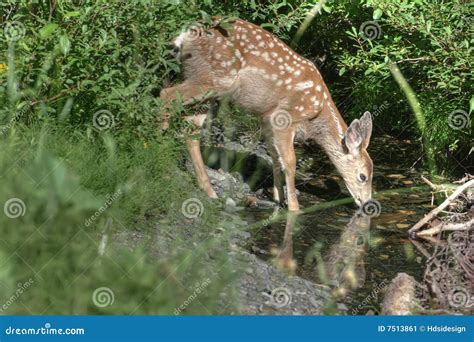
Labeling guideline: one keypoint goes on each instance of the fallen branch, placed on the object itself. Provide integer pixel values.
(421, 249)
(446, 227)
(463, 180)
(438, 187)
(434, 241)
(443, 205)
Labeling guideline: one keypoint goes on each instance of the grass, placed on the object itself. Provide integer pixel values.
(60, 181)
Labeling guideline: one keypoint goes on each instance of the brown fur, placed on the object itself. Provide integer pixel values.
(260, 73)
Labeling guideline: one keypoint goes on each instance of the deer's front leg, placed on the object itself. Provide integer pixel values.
(194, 150)
(283, 141)
(188, 92)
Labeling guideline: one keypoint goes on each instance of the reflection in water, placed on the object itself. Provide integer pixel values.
(343, 268)
(344, 263)
(284, 257)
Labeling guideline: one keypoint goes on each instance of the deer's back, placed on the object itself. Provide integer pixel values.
(255, 68)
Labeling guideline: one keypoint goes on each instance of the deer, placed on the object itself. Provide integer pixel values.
(258, 72)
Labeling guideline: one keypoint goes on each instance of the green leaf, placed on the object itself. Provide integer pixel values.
(64, 44)
(327, 8)
(47, 30)
(71, 14)
(377, 14)
(206, 17)
(225, 25)
(471, 105)
(428, 26)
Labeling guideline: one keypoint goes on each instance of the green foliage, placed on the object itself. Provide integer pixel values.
(87, 192)
(56, 241)
(431, 41)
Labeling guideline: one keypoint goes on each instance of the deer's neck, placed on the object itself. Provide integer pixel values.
(328, 130)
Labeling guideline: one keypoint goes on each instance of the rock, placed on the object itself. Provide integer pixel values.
(230, 204)
(254, 202)
(395, 176)
(399, 296)
(342, 307)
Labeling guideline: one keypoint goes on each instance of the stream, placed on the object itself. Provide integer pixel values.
(354, 255)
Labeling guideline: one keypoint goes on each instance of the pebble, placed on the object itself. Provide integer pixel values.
(342, 306)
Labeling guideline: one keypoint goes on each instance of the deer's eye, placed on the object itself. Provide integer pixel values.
(362, 178)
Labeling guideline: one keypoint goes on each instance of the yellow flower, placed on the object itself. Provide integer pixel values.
(145, 145)
(3, 67)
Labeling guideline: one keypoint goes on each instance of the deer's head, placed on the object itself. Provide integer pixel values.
(189, 41)
(355, 164)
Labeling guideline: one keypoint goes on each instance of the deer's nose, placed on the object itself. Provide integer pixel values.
(175, 51)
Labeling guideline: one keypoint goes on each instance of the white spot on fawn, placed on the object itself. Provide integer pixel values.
(304, 85)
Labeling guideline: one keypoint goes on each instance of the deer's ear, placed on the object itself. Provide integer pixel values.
(353, 137)
(366, 128)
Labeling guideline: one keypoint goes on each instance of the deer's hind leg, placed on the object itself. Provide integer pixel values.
(283, 141)
(278, 193)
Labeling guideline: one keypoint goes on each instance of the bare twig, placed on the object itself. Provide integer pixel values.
(427, 181)
(445, 227)
(466, 178)
(413, 60)
(422, 249)
(443, 205)
(438, 187)
(435, 241)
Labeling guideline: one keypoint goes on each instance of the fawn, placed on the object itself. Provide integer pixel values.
(261, 74)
